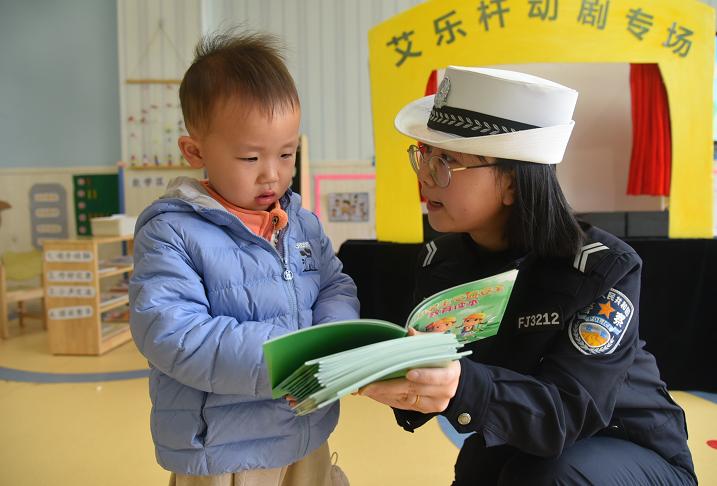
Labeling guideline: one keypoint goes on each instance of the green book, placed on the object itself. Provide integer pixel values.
(320, 364)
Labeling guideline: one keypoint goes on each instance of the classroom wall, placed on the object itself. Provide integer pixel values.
(15, 188)
(327, 55)
(60, 90)
(156, 46)
(59, 101)
(328, 59)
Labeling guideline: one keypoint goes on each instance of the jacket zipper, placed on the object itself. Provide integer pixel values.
(282, 242)
(288, 276)
(282, 256)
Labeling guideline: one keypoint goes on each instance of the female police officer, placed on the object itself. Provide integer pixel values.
(565, 392)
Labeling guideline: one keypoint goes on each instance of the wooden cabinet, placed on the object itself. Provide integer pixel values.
(78, 299)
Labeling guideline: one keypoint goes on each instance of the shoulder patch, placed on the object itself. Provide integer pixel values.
(583, 256)
(599, 327)
(431, 250)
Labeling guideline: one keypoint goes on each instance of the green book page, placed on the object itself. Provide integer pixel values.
(326, 396)
(471, 311)
(286, 353)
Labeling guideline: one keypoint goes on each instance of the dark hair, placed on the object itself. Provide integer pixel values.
(248, 64)
(541, 220)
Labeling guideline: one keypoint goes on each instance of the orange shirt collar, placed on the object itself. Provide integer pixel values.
(260, 222)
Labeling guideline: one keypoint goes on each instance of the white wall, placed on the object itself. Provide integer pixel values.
(156, 42)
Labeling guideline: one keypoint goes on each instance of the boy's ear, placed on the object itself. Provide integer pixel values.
(191, 150)
(507, 182)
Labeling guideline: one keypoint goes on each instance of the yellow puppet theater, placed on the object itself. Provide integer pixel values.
(677, 36)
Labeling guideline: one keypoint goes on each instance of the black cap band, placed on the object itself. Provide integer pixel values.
(471, 123)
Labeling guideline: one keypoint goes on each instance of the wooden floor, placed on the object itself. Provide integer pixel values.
(97, 433)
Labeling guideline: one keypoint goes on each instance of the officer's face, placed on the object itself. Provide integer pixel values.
(477, 201)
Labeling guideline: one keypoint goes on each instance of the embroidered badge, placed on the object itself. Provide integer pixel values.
(599, 327)
(307, 259)
(440, 99)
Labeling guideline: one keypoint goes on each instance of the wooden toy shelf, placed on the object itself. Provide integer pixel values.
(75, 302)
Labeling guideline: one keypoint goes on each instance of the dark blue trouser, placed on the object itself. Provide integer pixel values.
(603, 461)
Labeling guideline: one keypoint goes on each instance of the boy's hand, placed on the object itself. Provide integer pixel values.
(291, 400)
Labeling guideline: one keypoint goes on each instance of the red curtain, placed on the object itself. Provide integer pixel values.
(651, 159)
(432, 83)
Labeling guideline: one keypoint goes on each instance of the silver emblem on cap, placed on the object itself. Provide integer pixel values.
(440, 100)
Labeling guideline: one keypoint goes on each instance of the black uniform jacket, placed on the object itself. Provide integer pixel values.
(567, 362)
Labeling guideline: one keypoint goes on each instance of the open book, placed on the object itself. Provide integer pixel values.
(320, 364)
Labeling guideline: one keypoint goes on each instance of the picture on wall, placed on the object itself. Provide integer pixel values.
(352, 207)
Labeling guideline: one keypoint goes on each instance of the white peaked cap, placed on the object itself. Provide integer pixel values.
(494, 112)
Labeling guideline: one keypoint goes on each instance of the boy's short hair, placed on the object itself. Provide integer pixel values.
(226, 64)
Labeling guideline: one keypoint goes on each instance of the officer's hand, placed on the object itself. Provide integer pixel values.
(425, 390)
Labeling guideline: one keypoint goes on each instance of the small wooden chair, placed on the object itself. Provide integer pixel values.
(18, 296)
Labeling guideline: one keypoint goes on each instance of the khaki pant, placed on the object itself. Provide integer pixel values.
(313, 470)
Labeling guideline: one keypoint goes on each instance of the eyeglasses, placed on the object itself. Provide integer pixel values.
(438, 166)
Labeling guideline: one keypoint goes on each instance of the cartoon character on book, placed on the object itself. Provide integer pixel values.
(444, 325)
(473, 321)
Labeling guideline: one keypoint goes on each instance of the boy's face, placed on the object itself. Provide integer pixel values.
(249, 157)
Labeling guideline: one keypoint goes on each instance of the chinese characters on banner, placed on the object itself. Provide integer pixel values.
(453, 26)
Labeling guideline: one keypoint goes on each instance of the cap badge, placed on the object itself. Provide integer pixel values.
(440, 100)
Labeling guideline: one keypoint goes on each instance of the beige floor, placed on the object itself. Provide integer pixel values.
(98, 433)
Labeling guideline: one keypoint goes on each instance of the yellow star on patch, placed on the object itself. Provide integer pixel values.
(606, 309)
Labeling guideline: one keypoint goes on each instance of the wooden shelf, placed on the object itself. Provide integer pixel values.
(110, 329)
(75, 307)
(114, 303)
(112, 271)
(114, 334)
(98, 240)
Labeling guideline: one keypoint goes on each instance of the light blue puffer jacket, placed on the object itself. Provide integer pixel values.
(205, 294)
